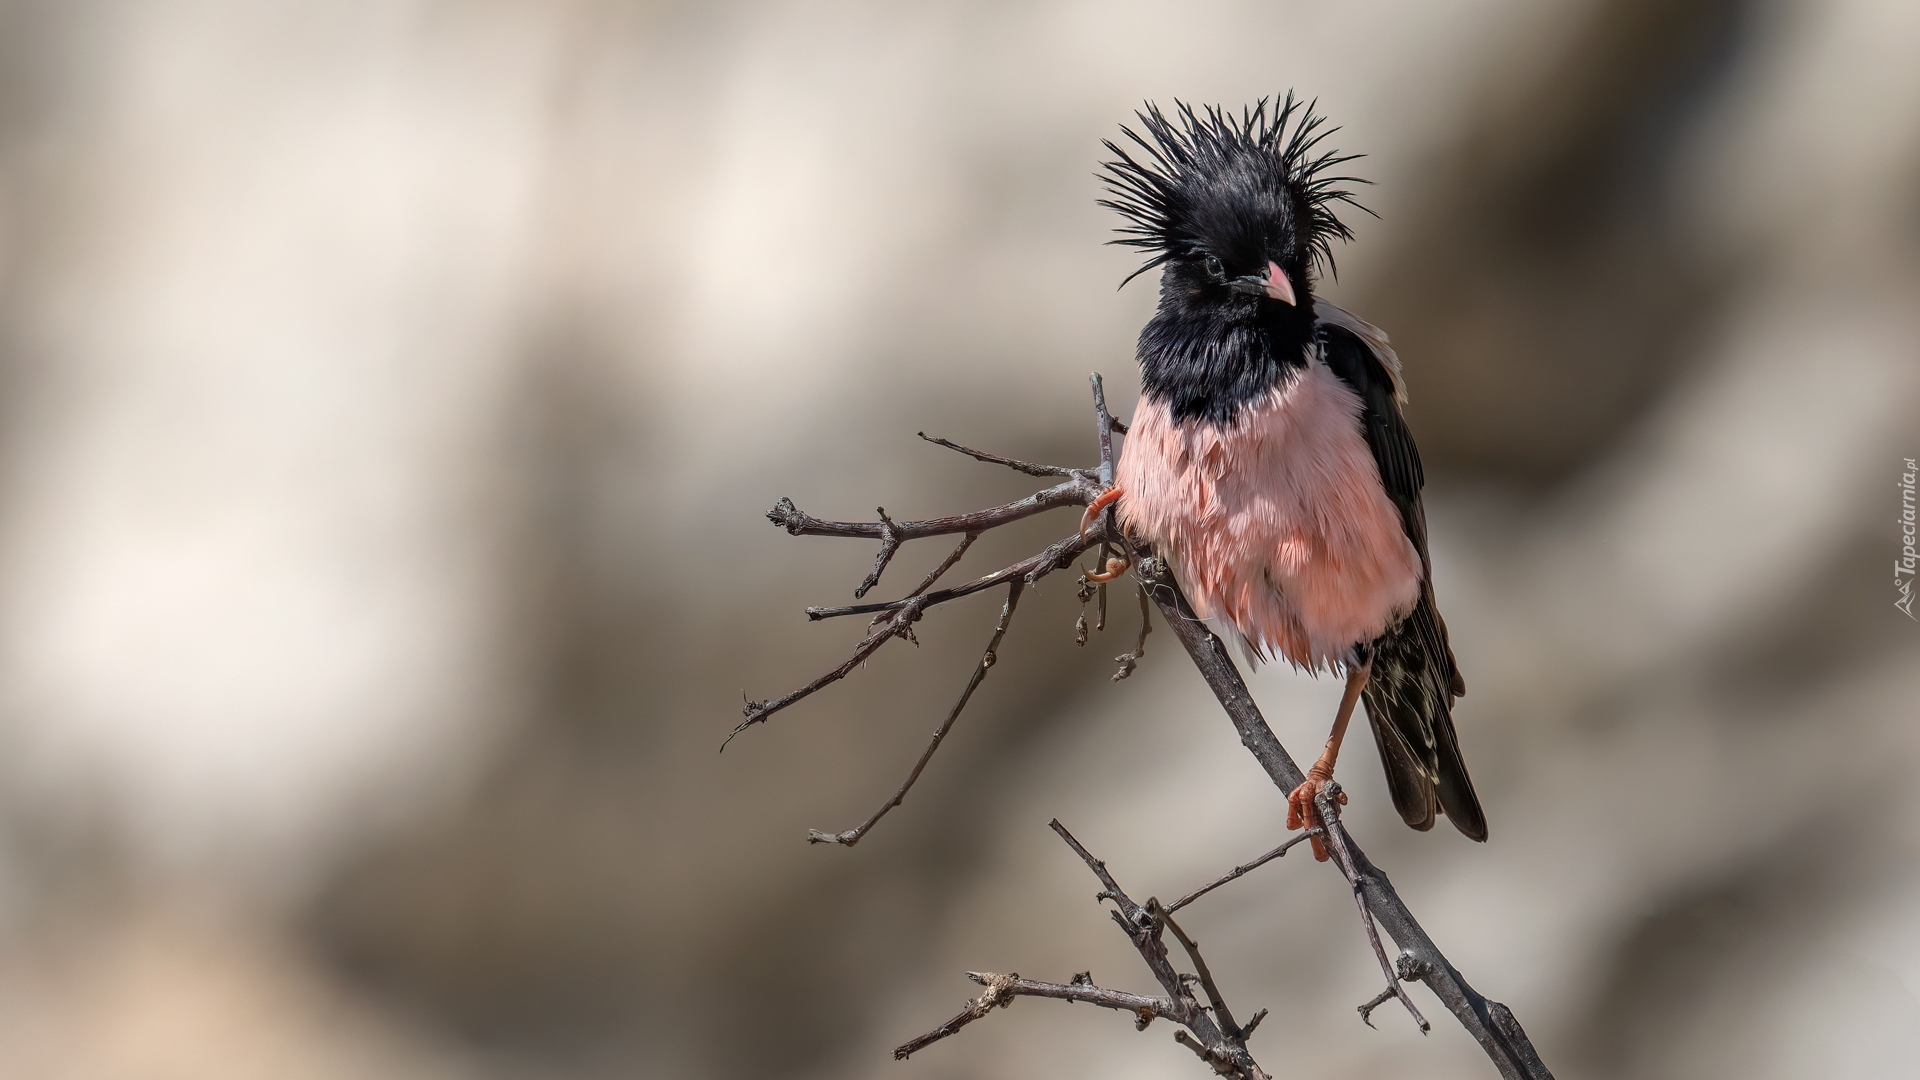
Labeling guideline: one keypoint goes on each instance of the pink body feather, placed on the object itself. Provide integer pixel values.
(1276, 523)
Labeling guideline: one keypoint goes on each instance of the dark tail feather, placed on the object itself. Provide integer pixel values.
(1455, 788)
(1409, 700)
(1409, 781)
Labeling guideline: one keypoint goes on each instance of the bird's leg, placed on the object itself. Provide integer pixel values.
(1302, 811)
(1115, 566)
(1107, 498)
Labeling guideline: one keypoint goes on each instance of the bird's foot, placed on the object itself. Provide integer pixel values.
(1097, 507)
(1303, 809)
(1115, 566)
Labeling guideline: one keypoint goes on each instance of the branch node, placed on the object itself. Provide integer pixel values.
(1411, 968)
(889, 544)
(787, 516)
(1222, 1063)
(1379, 999)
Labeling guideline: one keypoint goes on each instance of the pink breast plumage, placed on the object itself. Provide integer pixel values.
(1275, 523)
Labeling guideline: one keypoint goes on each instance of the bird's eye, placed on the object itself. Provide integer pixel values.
(1214, 270)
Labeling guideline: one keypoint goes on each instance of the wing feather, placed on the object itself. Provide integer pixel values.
(1415, 678)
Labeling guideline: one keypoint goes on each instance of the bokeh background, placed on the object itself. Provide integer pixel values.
(392, 390)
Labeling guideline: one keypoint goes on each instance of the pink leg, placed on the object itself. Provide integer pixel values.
(1115, 567)
(1107, 498)
(1302, 812)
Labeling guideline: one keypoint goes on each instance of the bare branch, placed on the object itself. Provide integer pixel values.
(1220, 1043)
(889, 543)
(1200, 970)
(1076, 492)
(999, 994)
(1128, 661)
(1328, 801)
(1004, 988)
(987, 659)
(946, 564)
(1027, 467)
(1056, 556)
(1243, 869)
(1111, 889)
(1104, 427)
(1377, 1000)
(901, 623)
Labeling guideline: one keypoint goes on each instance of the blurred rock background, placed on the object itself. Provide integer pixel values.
(393, 388)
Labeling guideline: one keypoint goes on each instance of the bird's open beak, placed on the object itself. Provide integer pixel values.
(1278, 287)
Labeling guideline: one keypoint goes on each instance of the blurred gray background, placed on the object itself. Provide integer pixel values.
(393, 388)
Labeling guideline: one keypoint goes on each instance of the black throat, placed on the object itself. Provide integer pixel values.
(1207, 360)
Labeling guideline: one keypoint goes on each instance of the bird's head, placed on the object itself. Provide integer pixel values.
(1238, 210)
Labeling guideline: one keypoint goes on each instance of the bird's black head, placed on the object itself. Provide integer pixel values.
(1239, 212)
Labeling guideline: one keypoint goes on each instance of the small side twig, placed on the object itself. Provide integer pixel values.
(1328, 801)
(1002, 989)
(987, 659)
(900, 624)
(1055, 556)
(1408, 968)
(1028, 467)
(1200, 969)
(1104, 427)
(1243, 869)
(946, 564)
(798, 522)
(889, 544)
(1127, 662)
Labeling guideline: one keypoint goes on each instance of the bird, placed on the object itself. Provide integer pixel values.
(1267, 460)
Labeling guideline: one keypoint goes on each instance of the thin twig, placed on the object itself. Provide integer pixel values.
(1055, 556)
(1110, 889)
(900, 624)
(987, 660)
(946, 564)
(1328, 800)
(1004, 988)
(1200, 970)
(999, 994)
(1379, 999)
(1074, 492)
(889, 543)
(1028, 467)
(1103, 428)
(1242, 869)
(1128, 661)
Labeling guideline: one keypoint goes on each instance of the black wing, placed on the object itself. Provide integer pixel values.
(1410, 693)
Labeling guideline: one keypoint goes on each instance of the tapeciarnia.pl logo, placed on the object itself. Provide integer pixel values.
(1904, 565)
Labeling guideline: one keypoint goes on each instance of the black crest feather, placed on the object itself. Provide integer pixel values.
(1180, 161)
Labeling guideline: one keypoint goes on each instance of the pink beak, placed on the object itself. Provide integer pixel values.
(1278, 287)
